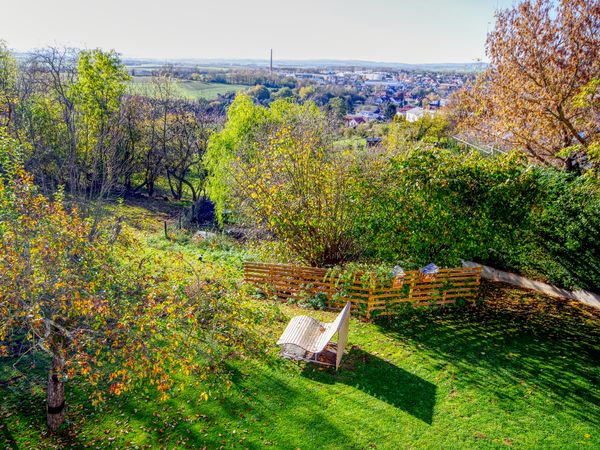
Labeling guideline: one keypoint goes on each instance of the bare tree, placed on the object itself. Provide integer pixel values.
(189, 130)
(52, 71)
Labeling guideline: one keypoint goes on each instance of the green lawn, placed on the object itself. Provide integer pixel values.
(519, 370)
(355, 142)
(188, 89)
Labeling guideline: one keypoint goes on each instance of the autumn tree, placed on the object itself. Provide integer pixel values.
(306, 92)
(162, 91)
(80, 295)
(47, 117)
(86, 131)
(67, 106)
(543, 57)
(428, 129)
(279, 168)
(336, 107)
(260, 93)
(135, 113)
(284, 92)
(188, 133)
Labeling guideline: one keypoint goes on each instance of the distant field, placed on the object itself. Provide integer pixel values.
(191, 90)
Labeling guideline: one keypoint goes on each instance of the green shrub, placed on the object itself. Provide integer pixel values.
(432, 205)
(317, 301)
(444, 206)
(277, 167)
(560, 240)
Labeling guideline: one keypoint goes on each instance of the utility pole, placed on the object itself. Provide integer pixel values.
(271, 64)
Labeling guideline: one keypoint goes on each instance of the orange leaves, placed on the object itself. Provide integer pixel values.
(121, 323)
(116, 388)
(542, 54)
(97, 398)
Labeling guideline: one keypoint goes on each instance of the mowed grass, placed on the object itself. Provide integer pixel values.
(517, 370)
(187, 89)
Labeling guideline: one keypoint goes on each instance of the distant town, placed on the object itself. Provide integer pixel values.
(366, 94)
(410, 94)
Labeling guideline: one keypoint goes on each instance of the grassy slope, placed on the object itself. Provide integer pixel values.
(192, 90)
(209, 91)
(520, 370)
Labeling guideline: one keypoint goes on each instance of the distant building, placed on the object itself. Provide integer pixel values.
(384, 83)
(374, 76)
(369, 115)
(414, 114)
(354, 121)
(401, 112)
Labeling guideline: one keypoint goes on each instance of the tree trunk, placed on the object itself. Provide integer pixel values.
(191, 186)
(56, 394)
(150, 186)
(173, 193)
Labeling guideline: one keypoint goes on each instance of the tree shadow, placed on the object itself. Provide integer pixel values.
(265, 401)
(382, 380)
(23, 406)
(6, 438)
(515, 343)
(156, 206)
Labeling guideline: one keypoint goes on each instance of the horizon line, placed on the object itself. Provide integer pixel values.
(262, 60)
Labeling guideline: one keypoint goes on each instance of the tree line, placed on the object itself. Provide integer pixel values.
(83, 129)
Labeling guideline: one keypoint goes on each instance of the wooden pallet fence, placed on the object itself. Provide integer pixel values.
(368, 299)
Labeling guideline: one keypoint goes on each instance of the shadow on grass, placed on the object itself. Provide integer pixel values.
(267, 403)
(515, 346)
(6, 438)
(264, 409)
(382, 380)
(23, 409)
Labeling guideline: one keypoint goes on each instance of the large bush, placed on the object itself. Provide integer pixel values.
(278, 168)
(444, 206)
(559, 239)
(438, 205)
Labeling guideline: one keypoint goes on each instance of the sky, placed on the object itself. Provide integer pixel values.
(406, 31)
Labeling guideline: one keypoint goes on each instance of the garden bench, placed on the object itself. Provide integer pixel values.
(307, 339)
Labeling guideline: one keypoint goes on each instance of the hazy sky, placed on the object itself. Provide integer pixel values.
(410, 31)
